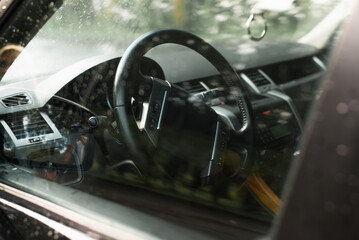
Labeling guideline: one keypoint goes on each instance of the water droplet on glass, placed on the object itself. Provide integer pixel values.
(191, 41)
(342, 150)
(342, 108)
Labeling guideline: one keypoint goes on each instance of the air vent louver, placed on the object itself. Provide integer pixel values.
(193, 86)
(287, 72)
(325, 57)
(257, 78)
(27, 125)
(16, 100)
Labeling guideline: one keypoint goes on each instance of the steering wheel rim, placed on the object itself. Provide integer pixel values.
(128, 78)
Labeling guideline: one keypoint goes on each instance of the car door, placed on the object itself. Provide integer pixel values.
(322, 196)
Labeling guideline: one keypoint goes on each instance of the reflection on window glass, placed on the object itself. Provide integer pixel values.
(171, 133)
(8, 54)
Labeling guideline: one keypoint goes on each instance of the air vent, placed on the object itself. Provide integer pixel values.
(257, 78)
(286, 72)
(325, 57)
(194, 86)
(25, 125)
(16, 100)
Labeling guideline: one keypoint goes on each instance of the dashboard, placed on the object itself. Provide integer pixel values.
(78, 102)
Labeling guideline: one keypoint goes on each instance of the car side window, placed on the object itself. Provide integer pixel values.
(189, 112)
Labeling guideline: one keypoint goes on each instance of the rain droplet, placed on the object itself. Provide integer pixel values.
(191, 41)
(342, 108)
(342, 150)
(155, 39)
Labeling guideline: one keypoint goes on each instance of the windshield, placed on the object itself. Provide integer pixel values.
(83, 29)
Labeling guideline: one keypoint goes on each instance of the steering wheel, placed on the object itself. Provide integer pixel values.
(175, 114)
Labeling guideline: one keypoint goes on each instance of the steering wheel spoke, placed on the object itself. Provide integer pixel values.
(215, 164)
(156, 109)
